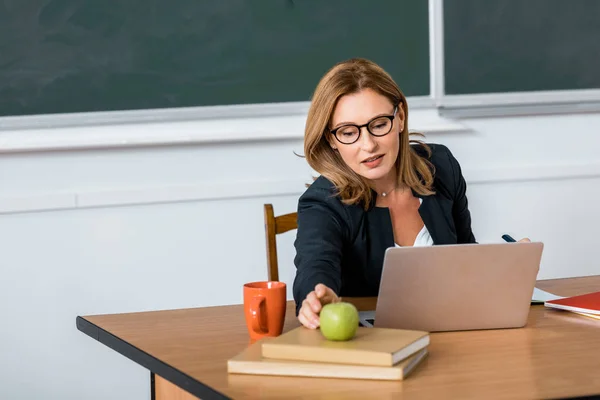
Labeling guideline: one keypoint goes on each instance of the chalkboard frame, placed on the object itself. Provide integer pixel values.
(453, 106)
(171, 114)
(181, 114)
(499, 104)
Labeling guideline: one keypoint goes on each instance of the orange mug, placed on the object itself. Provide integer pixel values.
(264, 307)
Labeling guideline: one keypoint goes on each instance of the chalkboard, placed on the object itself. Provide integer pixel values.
(521, 45)
(63, 56)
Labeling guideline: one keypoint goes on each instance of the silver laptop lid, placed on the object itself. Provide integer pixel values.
(458, 287)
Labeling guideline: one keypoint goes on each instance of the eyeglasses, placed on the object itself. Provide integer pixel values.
(380, 126)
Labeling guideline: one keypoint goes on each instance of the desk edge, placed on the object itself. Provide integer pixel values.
(173, 375)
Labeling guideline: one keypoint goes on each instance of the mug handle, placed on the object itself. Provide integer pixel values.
(255, 313)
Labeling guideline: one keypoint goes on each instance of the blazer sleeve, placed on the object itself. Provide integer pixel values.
(319, 244)
(460, 209)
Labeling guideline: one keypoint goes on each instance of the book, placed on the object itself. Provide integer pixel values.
(370, 346)
(596, 316)
(250, 361)
(586, 303)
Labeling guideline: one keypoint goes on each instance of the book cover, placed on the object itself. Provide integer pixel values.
(370, 346)
(586, 303)
(250, 361)
(596, 316)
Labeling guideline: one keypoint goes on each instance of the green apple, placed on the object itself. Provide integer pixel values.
(339, 321)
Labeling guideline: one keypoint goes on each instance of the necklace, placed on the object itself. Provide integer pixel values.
(385, 194)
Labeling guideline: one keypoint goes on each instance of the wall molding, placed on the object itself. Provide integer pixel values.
(266, 188)
(527, 173)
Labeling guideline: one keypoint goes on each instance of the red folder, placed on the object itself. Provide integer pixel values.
(586, 303)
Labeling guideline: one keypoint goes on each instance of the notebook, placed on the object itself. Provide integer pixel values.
(370, 346)
(586, 303)
(250, 361)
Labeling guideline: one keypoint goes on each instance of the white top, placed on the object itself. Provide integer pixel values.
(423, 238)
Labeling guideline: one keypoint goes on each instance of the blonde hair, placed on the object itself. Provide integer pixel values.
(348, 77)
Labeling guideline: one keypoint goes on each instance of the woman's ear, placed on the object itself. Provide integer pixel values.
(401, 117)
(331, 140)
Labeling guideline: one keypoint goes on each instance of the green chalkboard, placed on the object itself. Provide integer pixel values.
(521, 45)
(63, 56)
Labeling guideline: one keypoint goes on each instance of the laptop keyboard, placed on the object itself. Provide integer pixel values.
(367, 320)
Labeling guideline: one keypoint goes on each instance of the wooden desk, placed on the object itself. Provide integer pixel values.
(557, 355)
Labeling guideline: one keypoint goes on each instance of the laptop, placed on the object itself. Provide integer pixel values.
(456, 287)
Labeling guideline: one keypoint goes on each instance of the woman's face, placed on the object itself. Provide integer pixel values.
(372, 157)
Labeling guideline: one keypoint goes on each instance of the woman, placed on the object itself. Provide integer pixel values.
(377, 188)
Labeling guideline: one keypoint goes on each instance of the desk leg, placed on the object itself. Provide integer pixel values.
(152, 387)
(162, 389)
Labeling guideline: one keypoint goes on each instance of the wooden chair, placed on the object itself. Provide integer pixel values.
(273, 227)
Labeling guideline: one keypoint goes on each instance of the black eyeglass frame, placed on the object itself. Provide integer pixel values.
(390, 117)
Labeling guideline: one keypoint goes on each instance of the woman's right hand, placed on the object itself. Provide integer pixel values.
(313, 303)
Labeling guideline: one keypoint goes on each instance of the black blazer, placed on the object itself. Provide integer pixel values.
(343, 246)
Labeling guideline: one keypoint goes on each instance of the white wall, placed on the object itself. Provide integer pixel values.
(111, 230)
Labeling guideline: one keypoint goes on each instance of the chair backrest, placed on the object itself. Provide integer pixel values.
(273, 227)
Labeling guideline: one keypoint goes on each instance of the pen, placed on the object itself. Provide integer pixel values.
(508, 238)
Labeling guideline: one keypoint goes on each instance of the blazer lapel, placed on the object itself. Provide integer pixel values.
(436, 221)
